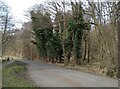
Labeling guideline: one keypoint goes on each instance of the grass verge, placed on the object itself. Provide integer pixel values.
(15, 75)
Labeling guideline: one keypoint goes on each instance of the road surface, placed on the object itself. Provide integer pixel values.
(48, 75)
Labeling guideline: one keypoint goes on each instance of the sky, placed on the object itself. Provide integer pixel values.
(18, 8)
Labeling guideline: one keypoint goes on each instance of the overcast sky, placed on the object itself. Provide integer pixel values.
(18, 8)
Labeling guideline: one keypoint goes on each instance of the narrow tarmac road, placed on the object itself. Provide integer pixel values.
(48, 75)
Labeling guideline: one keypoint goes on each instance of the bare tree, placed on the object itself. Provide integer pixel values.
(6, 24)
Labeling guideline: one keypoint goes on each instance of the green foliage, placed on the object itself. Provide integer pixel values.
(40, 39)
(75, 28)
(69, 38)
(54, 46)
(48, 42)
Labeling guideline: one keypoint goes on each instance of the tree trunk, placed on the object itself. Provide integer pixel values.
(85, 49)
(118, 28)
(89, 47)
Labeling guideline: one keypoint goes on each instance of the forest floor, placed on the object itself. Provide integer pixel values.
(92, 69)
